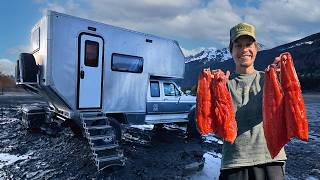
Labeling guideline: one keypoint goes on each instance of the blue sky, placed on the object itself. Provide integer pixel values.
(193, 23)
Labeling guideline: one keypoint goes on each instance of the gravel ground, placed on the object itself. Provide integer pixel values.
(151, 154)
(164, 153)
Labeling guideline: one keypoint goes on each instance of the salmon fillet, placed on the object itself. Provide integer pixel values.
(224, 121)
(295, 113)
(274, 124)
(204, 105)
(214, 112)
(284, 114)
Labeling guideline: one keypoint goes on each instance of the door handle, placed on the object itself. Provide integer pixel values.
(81, 74)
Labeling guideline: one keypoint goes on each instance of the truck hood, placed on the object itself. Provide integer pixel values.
(185, 98)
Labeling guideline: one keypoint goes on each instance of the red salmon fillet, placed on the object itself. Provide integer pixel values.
(224, 122)
(295, 113)
(274, 124)
(284, 114)
(204, 105)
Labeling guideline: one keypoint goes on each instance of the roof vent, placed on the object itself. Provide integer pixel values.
(149, 40)
(92, 28)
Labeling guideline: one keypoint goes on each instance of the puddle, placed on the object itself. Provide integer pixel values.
(211, 169)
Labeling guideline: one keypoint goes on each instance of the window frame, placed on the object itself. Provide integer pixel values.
(174, 88)
(159, 95)
(35, 38)
(126, 55)
(97, 53)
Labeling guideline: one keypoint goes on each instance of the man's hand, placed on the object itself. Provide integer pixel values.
(227, 74)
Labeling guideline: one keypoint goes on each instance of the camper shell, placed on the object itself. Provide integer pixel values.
(90, 71)
(125, 60)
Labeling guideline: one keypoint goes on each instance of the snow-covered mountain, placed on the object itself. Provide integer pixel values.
(305, 53)
(206, 55)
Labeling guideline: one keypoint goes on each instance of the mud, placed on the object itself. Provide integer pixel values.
(164, 153)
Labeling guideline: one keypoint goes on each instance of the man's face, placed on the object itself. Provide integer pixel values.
(244, 51)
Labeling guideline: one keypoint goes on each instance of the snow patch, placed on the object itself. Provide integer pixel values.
(311, 178)
(8, 159)
(210, 54)
(7, 120)
(143, 127)
(211, 139)
(191, 52)
(299, 44)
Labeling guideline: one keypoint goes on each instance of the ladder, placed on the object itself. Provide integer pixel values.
(102, 140)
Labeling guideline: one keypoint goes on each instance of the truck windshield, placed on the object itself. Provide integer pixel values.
(170, 90)
(154, 89)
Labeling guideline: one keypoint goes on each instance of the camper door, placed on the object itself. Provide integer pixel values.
(90, 71)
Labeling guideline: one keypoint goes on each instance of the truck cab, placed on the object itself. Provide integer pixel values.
(166, 103)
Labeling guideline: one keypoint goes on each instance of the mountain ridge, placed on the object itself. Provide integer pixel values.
(305, 53)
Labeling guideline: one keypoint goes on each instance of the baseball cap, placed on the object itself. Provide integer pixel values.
(242, 29)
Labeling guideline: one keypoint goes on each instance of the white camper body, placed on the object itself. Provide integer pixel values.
(115, 78)
(96, 76)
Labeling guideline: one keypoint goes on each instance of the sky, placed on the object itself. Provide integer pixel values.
(195, 24)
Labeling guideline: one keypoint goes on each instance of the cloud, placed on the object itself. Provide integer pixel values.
(283, 21)
(203, 22)
(7, 67)
(187, 19)
(70, 7)
(18, 49)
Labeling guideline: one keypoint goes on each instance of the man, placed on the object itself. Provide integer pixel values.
(248, 157)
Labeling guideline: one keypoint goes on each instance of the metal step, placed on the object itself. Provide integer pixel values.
(108, 161)
(103, 147)
(93, 118)
(99, 137)
(98, 127)
(102, 141)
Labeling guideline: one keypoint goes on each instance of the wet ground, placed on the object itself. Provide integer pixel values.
(163, 153)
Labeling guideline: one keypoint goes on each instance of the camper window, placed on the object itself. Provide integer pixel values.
(35, 40)
(154, 89)
(126, 63)
(91, 53)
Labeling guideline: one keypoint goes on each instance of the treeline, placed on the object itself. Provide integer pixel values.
(7, 81)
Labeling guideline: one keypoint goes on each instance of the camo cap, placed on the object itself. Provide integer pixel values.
(242, 29)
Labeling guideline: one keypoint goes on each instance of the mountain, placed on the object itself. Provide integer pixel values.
(210, 54)
(305, 53)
